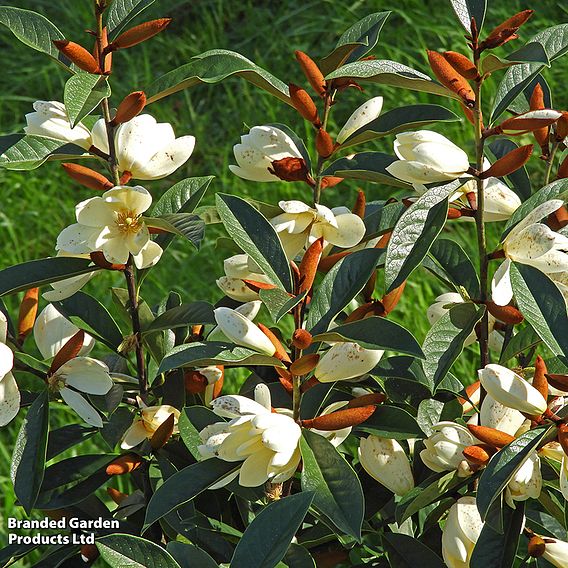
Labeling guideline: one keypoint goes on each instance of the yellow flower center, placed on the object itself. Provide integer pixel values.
(128, 222)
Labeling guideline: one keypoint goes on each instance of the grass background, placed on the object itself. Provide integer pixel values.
(37, 205)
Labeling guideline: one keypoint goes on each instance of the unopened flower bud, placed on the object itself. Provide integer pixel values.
(130, 107)
(87, 177)
(450, 78)
(368, 309)
(89, 553)
(532, 121)
(537, 103)
(140, 33)
(291, 169)
(69, 351)
(506, 31)
(366, 399)
(309, 265)
(509, 163)
(478, 454)
(562, 127)
(124, 464)
(340, 418)
(280, 353)
(312, 72)
(330, 181)
(301, 338)
(506, 314)
(304, 104)
(117, 496)
(360, 204)
(28, 313)
(490, 436)
(391, 299)
(78, 55)
(324, 143)
(462, 64)
(304, 365)
(346, 360)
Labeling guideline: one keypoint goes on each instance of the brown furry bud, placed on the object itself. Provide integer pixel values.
(454, 213)
(324, 143)
(89, 553)
(78, 55)
(124, 464)
(450, 78)
(562, 127)
(539, 380)
(506, 31)
(367, 399)
(280, 353)
(360, 204)
(462, 64)
(163, 433)
(340, 418)
(117, 496)
(558, 219)
(304, 104)
(291, 169)
(28, 313)
(391, 299)
(330, 181)
(285, 379)
(309, 265)
(506, 314)
(536, 546)
(537, 103)
(140, 33)
(327, 263)
(301, 338)
(479, 454)
(509, 163)
(87, 177)
(312, 72)
(372, 308)
(130, 107)
(69, 351)
(304, 365)
(490, 436)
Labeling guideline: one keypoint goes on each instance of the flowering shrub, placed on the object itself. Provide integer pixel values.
(349, 443)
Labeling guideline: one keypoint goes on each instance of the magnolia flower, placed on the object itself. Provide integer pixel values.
(249, 310)
(533, 243)
(301, 225)
(81, 375)
(50, 119)
(69, 286)
(145, 148)
(445, 445)
(427, 157)
(526, 483)
(462, 529)
(496, 415)
(9, 392)
(147, 422)
(385, 461)
(258, 149)
(238, 268)
(52, 331)
(556, 552)
(241, 331)
(553, 451)
(346, 360)
(511, 389)
(367, 112)
(335, 437)
(112, 224)
(266, 442)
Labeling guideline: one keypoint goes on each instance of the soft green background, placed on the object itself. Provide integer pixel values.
(37, 205)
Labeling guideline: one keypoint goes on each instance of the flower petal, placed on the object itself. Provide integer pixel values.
(82, 407)
(87, 375)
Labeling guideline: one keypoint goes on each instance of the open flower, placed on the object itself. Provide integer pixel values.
(112, 224)
(346, 360)
(367, 112)
(300, 225)
(50, 119)
(81, 375)
(556, 552)
(462, 529)
(9, 392)
(427, 157)
(445, 445)
(238, 268)
(385, 461)
(526, 483)
(145, 148)
(266, 442)
(533, 243)
(258, 149)
(146, 424)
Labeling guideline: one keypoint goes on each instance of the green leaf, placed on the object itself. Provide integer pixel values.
(83, 92)
(392, 422)
(66, 437)
(186, 484)
(299, 557)
(375, 333)
(278, 302)
(193, 313)
(391, 73)
(254, 234)
(200, 354)
(445, 339)
(212, 67)
(267, 538)
(183, 197)
(337, 490)
(39, 272)
(367, 166)
(121, 12)
(455, 262)
(467, 9)
(400, 120)
(127, 551)
(530, 53)
(28, 458)
(519, 179)
(406, 551)
(525, 339)
(27, 152)
(190, 556)
(504, 464)
(356, 42)
(381, 217)
(192, 420)
(340, 285)
(542, 304)
(184, 225)
(415, 233)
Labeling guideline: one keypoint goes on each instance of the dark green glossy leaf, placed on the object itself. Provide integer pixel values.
(190, 556)
(128, 551)
(83, 93)
(66, 437)
(192, 420)
(392, 422)
(193, 313)
(523, 340)
(407, 552)
(278, 302)
(299, 557)
(532, 52)
(184, 225)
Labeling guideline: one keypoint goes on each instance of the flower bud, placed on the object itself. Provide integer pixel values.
(28, 312)
(327, 263)
(556, 552)
(494, 415)
(368, 309)
(506, 314)
(78, 55)
(490, 436)
(309, 265)
(324, 143)
(506, 31)
(511, 390)
(391, 299)
(285, 378)
(312, 72)
(360, 204)
(537, 103)
(340, 418)
(280, 353)
(69, 351)
(366, 399)
(346, 360)
(117, 496)
(130, 107)
(89, 553)
(479, 454)
(163, 433)
(539, 380)
(444, 447)
(291, 169)
(87, 177)
(532, 121)
(304, 104)
(140, 33)
(450, 78)
(558, 219)
(385, 461)
(124, 464)
(462, 64)
(509, 163)
(301, 338)
(536, 546)
(330, 181)
(562, 127)
(363, 115)
(526, 482)
(305, 364)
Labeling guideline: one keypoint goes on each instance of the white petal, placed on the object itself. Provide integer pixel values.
(6, 360)
(135, 435)
(541, 211)
(82, 407)
(87, 375)
(346, 360)
(349, 232)
(166, 161)
(9, 399)
(78, 239)
(254, 471)
(416, 172)
(149, 255)
(501, 289)
(232, 406)
(366, 113)
(95, 212)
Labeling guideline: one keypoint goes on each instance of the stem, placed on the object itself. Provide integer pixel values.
(296, 354)
(321, 161)
(550, 162)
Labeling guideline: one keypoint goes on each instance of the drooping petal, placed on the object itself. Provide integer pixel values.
(82, 407)
(348, 233)
(254, 471)
(87, 375)
(9, 399)
(149, 255)
(501, 289)
(135, 435)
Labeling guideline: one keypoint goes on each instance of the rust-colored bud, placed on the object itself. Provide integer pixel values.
(372, 308)
(509, 163)
(89, 553)
(280, 353)
(117, 496)
(107, 63)
(563, 437)
(69, 351)
(360, 204)
(506, 314)
(468, 113)
(309, 265)
(324, 143)
(100, 260)
(517, 125)
(304, 365)
(557, 381)
(285, 379)
(506, 31)
(327, 263)
(537, 103)
(536, 546)
(304, 104)
(87, 177)
(454, 213)
(450, 78)
(139, 33)
(78, 55)
(340, 419)
(256, 286)
(462, 64)
(479, 454)
(490, 436)
(218, 386)
(562, 127)
(163, 433)
(558, 219)
(539, 379)
(291, 169)
(301, 338)
(312, 72)
(563, 169)
(330, 181)
(345, 82)
(125, 177)
(310, 383)
(124, 464)
(384, 240)
(195, 382)
(28, 313)
(472, 392)
(391, 299)
(130, 107)
(367, 399)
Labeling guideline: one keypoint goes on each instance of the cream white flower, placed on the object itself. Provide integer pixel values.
(238, 268)
(511, 389)
(553, 451)
(50, 119)
(526, 483)
(258, 149)
(249, 310)
(266, 442)
(82, 375)
(496, 415)
(385, 461)
(556, 553)
(533, 243)
(346, 360)
(147, 422)
(52, 331)
(427, 157)
(335, 437)
(461, 531)
(367, 112)
(112, 224)
(66, 288)
(9, 392)
(300, 225)
(241, 331)
(146, 148)
(445, 445)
